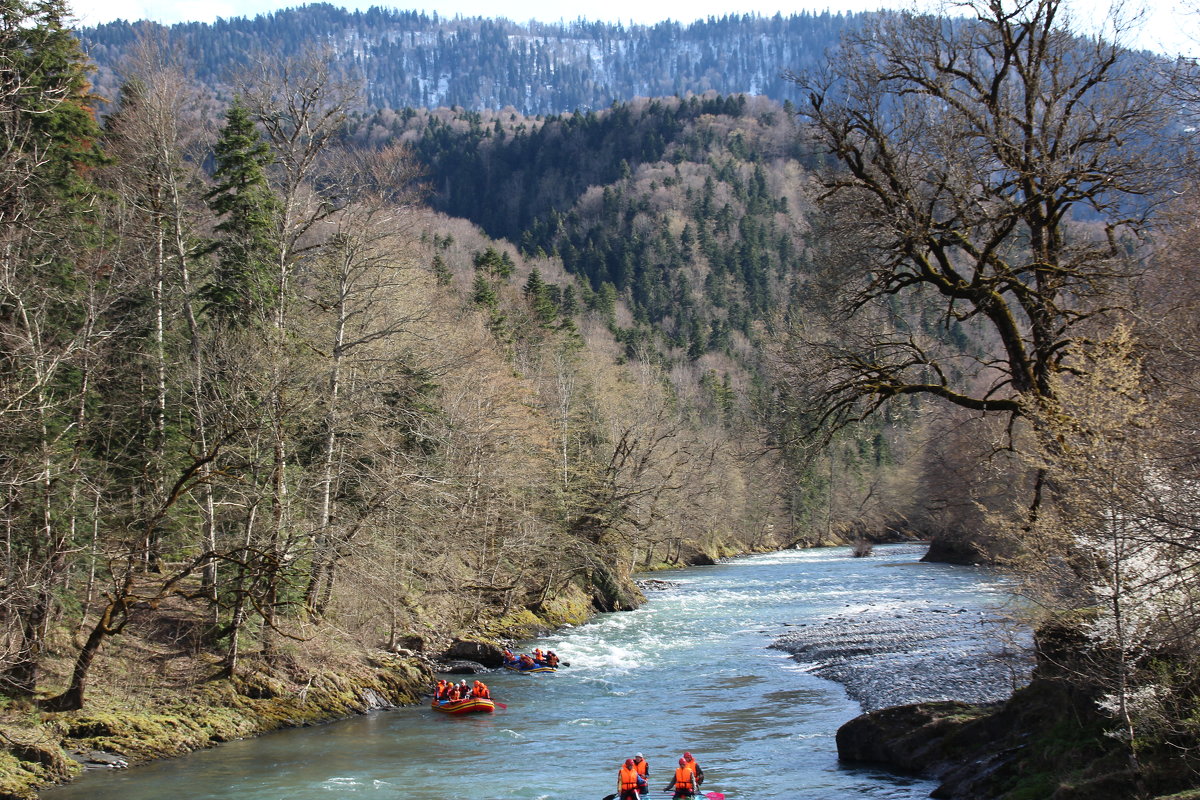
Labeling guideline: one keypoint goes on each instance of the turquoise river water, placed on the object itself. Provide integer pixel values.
(690, 670)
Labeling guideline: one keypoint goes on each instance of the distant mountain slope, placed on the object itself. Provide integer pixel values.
(409, 58)
(691, 211)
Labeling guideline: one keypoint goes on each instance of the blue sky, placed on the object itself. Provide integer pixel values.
(1170, 27)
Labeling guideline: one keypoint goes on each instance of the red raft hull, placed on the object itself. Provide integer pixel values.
(472, 705)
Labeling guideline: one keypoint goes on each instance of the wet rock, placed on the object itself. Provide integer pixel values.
(904, 737)
(485, 653)
(372, 701)
(656, 585)
(953, 551)
(462, 667)
(98, 759)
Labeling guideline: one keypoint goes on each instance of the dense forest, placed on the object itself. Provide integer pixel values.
(310, 358)
(411, 59)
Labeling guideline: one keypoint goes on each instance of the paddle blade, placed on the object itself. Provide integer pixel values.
(609, 796)
(499, 705)
(714, 796)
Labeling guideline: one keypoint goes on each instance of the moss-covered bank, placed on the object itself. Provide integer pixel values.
(40, 746)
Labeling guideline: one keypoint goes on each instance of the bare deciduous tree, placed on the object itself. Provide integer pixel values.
(992, 177)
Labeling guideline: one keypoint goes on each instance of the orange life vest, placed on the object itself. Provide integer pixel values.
(684, 776)
(627, 778)
(481, 690)
(642, 766)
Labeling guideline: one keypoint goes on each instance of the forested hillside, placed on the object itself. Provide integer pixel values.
(691, 225)
(689, 211)
(410, 59)
(263, 408)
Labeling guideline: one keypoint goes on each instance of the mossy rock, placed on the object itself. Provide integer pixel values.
(258, 686)
(26, 767)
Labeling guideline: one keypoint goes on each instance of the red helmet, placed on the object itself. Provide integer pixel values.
(629, 762)
(688, 756)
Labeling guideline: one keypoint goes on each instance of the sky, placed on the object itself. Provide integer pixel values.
(1171, 27)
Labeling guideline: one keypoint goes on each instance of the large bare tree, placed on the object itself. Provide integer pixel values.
(991, 177)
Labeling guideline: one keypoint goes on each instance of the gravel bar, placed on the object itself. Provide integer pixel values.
(889, 656)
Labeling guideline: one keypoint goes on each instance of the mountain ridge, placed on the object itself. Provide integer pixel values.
(409, 58)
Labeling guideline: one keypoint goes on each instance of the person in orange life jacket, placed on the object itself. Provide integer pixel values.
(537, 655)
(684, 783)
(480, 690)
(694, 767)
(627, 781)
(508, 656)
(643, 768)
(525, 662)
(551, 659)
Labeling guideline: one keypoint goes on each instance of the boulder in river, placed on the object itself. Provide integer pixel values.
(908, 737)
(485, 653)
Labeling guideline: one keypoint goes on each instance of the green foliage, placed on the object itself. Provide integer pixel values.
(440, 271)
(494, 263)
(483, 293)
(243, 281)
(48, 116)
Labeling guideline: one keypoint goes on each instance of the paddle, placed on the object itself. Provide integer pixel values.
(714, 796)
(609, 796)
(498, 703)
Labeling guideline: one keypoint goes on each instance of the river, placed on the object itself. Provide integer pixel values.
(691, 670)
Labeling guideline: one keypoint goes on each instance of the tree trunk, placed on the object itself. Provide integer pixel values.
(72, 698)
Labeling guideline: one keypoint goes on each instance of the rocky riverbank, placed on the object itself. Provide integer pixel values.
(936, 686)
(888, 654)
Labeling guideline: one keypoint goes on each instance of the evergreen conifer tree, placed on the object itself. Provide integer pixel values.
(243, 198)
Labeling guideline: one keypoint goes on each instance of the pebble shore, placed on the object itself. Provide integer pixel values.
(886, 655)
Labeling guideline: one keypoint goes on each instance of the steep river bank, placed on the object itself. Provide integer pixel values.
(693, 669)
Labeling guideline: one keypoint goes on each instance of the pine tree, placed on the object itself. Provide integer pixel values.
(483, 293)
(440, 271)
(47, 123)
(247, 250)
